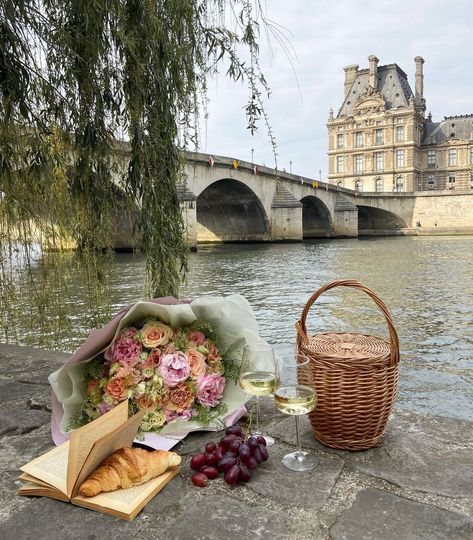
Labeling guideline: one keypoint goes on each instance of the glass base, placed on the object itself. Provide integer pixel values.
(269, 440)
(299, 461)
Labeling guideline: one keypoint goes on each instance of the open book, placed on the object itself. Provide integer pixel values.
(60, 472)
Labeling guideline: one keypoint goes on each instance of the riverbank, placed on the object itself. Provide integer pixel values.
(418, 484)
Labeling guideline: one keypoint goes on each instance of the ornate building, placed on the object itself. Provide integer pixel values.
(380, 139)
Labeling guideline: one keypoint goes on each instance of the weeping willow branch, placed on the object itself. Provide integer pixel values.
(75, 76)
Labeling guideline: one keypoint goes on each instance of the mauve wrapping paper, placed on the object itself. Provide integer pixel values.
(234, 314)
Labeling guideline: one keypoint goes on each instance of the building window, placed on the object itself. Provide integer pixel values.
(399, 133)
(340, 164)
(378, 136)
(358, 163)
(340, 140)
(358, 139)
(400, 120)
(451, 181)
(378, 161)
(399, 158)
(378, 184)
(399, 186)
(431, 181)
(452, 157)
(358, 185)
(431, 158)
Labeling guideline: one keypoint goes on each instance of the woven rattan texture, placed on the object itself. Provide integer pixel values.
(355, 378)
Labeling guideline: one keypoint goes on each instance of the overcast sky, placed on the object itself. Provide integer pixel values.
(328, 35)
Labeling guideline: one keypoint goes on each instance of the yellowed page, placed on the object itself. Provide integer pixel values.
(51, 467)
(126, 503)
(83, 439)
(32, 489)
(106, 445)
(28, 478)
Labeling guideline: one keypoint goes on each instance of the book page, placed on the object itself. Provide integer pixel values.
(32, 489)
(126, 503)
(51, 467)
(83, 439)
(122, 436)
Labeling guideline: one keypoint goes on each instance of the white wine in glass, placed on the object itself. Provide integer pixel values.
(295, 395)
(258, 377)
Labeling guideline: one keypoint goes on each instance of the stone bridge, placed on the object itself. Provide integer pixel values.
(226, 200)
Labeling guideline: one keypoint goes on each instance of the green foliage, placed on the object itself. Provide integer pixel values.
(206, 416)
(77, 76)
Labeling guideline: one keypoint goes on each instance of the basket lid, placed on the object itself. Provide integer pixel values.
(347, 347)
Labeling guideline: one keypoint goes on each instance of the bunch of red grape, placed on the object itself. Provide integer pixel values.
(233, 455)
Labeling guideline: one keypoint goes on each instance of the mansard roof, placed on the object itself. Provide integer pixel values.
(392, 85)
(452, 127)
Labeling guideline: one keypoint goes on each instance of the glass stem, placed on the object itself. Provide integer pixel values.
(299, 449)
(257, 415)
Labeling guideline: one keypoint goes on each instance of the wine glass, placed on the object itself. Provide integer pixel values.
(257, 377)
(294, 394)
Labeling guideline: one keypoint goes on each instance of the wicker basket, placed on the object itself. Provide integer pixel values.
(355, 377)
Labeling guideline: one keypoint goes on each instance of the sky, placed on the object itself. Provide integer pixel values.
(327, 35)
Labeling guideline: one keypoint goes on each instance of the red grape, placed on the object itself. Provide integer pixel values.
(227, 441)
(219, 453)
(235, 446)
(261, 440)
(264, 452)
(251, 463)
(211, 459)
(210, 447)
(243, 473)
(244, 452)
(226, 463)
(251, 442)
(231, 476)
(210, 472)
(234, 430)
(198, 461)
(199, 479)
(257, 455)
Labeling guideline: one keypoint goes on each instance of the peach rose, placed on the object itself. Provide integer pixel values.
(179, 398)
(214, 355)
(146, 402)
(155, 333)
(116, 388)
(196, 362)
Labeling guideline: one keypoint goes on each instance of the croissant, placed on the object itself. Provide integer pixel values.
(128, 467)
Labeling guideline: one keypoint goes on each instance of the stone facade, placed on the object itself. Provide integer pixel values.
(381, 141)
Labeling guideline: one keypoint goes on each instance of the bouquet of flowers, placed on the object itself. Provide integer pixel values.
(177, 361)
(170, 373)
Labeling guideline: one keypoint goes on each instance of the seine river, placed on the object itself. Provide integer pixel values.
(426, 282)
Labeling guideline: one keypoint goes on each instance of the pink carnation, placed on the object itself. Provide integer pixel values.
(125, 348)
(172, 415)
(174, 368)
(196, 337)
(210, 389)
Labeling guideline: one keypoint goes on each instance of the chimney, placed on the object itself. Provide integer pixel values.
(419, 78)
(350, 75)
(373, 78)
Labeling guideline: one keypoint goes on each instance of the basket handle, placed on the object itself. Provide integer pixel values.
(393, 338)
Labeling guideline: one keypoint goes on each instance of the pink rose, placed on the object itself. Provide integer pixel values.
(174, 368)
(125, 348)
(196, 337)
(210, 389)
(173, 415)
(196, 362)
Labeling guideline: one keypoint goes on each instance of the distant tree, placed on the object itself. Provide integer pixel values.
(76, 76)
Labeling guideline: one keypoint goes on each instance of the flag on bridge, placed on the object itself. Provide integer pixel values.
(211, 161)
(235, 164)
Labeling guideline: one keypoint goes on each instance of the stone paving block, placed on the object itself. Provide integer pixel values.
(15, 420)
(217, 517)
(379, 515)
(415, 454)
(309, 490)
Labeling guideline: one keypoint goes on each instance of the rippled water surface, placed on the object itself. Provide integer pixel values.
(426, 282)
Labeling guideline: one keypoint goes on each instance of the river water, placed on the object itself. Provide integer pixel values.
(426, 282)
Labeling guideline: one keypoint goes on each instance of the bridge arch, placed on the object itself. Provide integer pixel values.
(316, 219)
(229, 211)
(374, 220)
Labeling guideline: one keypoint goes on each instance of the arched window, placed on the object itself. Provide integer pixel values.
(358, 185)
(399, 184)
(379, 184)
